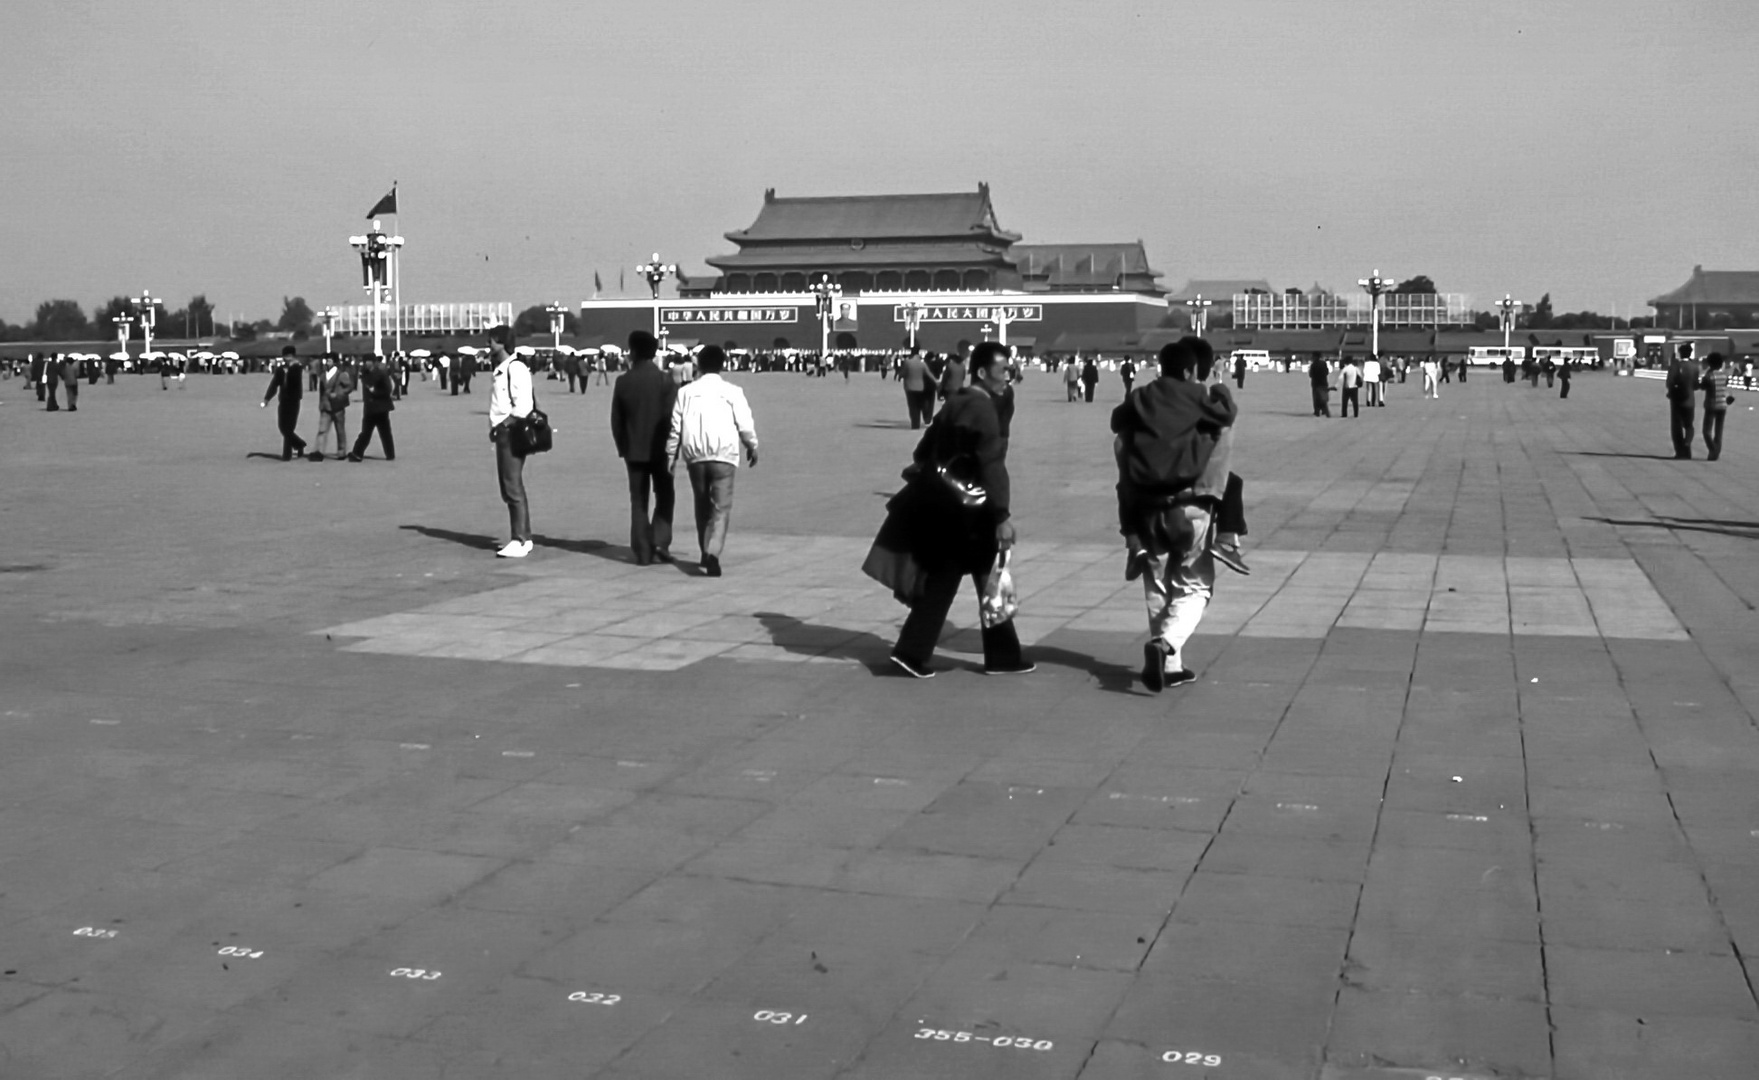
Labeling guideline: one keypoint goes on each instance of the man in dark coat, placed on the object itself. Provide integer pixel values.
(1317, 375)
(376, 405)
(1683, 378)
(641, 421)
(70, 379)
(1089, 378)
(919, 388)
(949, 539)
(287, 384)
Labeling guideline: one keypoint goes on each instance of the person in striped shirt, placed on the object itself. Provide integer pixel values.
(1717, 399)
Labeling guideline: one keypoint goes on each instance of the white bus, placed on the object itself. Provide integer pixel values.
(1559, 355)
(1256, 359)
(1494, 355)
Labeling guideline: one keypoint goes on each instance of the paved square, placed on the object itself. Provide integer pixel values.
(302, 782)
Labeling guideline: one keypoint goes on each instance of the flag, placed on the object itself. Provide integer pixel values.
(386, 205)
(619, 281)
(596, 285)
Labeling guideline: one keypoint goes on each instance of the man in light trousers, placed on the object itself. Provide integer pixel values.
(711, 423)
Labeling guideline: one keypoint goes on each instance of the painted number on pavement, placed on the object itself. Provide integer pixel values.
(94, 932)
(1191, 1057)
(1018, 1042)
(240, 950)
(772, 1017)
(586, 997)
(414, 973)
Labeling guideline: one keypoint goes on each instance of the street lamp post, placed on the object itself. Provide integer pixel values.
(123, 322)
(826, 291)
(376, 250)
(558, 313)
(146, 309)
(328, 317)
(913, 312)
(1199, 313)
(1505, 313)
(656, 272)
(1377, 286)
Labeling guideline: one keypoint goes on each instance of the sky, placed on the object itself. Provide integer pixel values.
(1593, 149)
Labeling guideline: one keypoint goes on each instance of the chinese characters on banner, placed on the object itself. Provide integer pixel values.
(975, 313)
(729, 315)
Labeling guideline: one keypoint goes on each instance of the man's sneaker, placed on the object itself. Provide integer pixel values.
(1154, 665)
(1229, 556)
(1022, 668)
(1135, 565)
(314, 456)
(912, 668)
(711, 566)
(514, 549)
(1180, 677)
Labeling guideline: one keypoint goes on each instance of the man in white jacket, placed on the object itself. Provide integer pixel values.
(711, 423)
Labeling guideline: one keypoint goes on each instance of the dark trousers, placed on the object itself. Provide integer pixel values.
(1240, 381)
(510, 471)
(1713, 432)
(53, 382)
(648, 535)
(1230, 516)
(1679, 418)
(381, 423)
(1565, 392)
(291, 443)
(1321, 401)
(1128, 384)
(1352, 397)
(920, 405)
(922, 628)
(1087, 392)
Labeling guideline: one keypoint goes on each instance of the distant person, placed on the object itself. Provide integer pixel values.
(1239, 372)
(641, 414)
(953, 375)
(1089, 378)
(1508, 370)
(335, 390)
(288, 385)
(69, 376)
(1683, 379)
(1717, 399)
(510, 398)
(1317, 382)
(1072, 377)
(710, 430)
(376, 404)
(1431, 377)
(1371, 376)
(1565, 371)
(1548, 367)
(918, 388)
(1127, 372)
(1350, 383)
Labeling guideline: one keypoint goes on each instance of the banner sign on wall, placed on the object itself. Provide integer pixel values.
(975, 313)
(729, 315)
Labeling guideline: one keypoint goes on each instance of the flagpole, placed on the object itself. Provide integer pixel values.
(397, 276)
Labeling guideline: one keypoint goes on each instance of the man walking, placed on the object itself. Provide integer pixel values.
(1683, 378)
(1371, 379)
(1239, 372)
(1072, 377)
(1168, 430)
(711, 423)
(1717, 399)
(641, 412)
(1127, 372)
(1089, 379)
(335, 388)
(1350, 382)
(918, 388)
(1317, 374)
(375, 410)
(287, 384)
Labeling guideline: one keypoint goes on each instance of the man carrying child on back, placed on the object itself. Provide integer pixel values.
(1167, 434)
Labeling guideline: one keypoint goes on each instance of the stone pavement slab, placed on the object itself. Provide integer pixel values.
(302, 782)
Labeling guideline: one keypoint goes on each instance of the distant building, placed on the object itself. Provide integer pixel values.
(1710, 300)
(1086, 268)
(1221, 294)
(1318, 309)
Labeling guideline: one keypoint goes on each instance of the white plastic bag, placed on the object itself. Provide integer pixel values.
(999, 601)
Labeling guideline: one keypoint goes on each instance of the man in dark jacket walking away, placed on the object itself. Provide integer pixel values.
(1168, 429)
(288, 384)
(1317, 374)
(951, 540)
(375, 410)
(1683, 377)
(641, 421)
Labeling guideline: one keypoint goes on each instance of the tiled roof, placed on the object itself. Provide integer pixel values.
(794, 256)
(870, 217)
(1070, 265)
(1220, 289)
(1714, 287)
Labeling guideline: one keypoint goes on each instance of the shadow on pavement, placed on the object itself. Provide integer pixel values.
(1618, 453)
(872, 651)
(892, 424)
(1744, 530)
(269, 457)
(470, 540)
